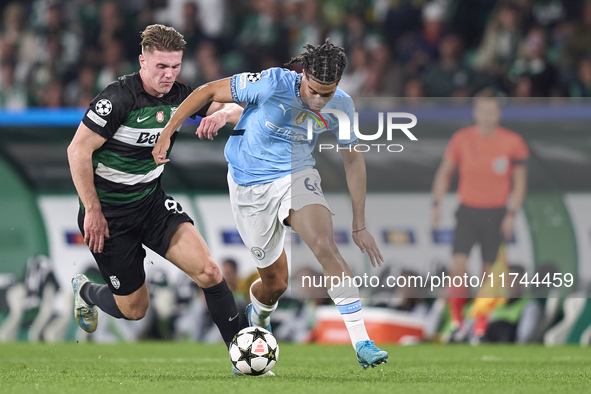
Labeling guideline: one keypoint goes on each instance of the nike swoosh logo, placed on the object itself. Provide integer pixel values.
(84, 324)
(232, 318)
(141, 120)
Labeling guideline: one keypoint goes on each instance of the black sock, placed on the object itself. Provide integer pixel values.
(101, 296)
(222, 309)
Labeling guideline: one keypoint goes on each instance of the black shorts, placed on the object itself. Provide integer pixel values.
(482, 226)
(122, 261)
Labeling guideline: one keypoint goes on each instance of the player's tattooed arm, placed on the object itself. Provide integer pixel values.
(356, 182)
(218, 91)
(218, 115)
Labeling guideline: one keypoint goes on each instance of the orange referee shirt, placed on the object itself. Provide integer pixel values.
(485, 164)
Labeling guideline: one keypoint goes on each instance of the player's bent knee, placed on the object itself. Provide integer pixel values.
(135, 312)
(209, 275)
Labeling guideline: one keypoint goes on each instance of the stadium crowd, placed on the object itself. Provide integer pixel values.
(56, 53)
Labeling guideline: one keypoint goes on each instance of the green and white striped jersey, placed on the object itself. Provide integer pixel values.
(131, 120)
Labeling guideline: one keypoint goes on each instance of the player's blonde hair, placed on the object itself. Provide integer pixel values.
(162, 38)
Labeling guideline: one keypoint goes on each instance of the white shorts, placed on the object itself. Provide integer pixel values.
(260, 210)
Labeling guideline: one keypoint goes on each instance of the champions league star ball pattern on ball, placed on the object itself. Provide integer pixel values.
(254, 351)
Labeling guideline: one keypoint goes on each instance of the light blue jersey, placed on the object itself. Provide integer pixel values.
(264, 146)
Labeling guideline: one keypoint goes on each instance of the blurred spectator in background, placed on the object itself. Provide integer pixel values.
(548, 13)
(212, 15)
(114, 28)
(262, 35)
(581, 87)
(402, 16)
(523, 88)
(115, 64)
(55, 52)
(230, 272)
(414, 91)
(53, 95)
(356, 30)
(449, 77)
(203, 67)
(63, 42)
(13, 94)
(470, 19)
(498, 48)
(191, 28)
(13, 22)
(383, 78)
(306, 25)
(80, 91)
(354, 80)
(578, 46)
(532, 64)
(418, 48)
(88, 18)
(208, 63)
(17, 44)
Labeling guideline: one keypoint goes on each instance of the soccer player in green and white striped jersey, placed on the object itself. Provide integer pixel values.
(122, 203)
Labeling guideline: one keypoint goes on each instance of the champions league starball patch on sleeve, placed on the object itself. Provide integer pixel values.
(103, 107)
(254, 77)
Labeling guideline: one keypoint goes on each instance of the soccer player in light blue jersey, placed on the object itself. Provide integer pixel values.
(273, 183)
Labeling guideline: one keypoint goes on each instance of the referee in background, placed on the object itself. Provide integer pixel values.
(491, 163)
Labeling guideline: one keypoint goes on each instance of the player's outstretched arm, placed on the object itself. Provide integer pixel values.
(356, 182)
(218, 91)
(80, 151)
(218, 115)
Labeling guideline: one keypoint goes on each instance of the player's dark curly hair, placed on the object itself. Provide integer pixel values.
(325, 63)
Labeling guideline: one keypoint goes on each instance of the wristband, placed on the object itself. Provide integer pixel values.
(357, 231)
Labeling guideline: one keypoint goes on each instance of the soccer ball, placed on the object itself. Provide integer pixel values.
(254, 351)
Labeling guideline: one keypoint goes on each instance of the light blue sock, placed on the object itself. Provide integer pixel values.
(346, 298)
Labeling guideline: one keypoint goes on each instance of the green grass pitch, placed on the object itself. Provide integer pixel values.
(166, 367)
